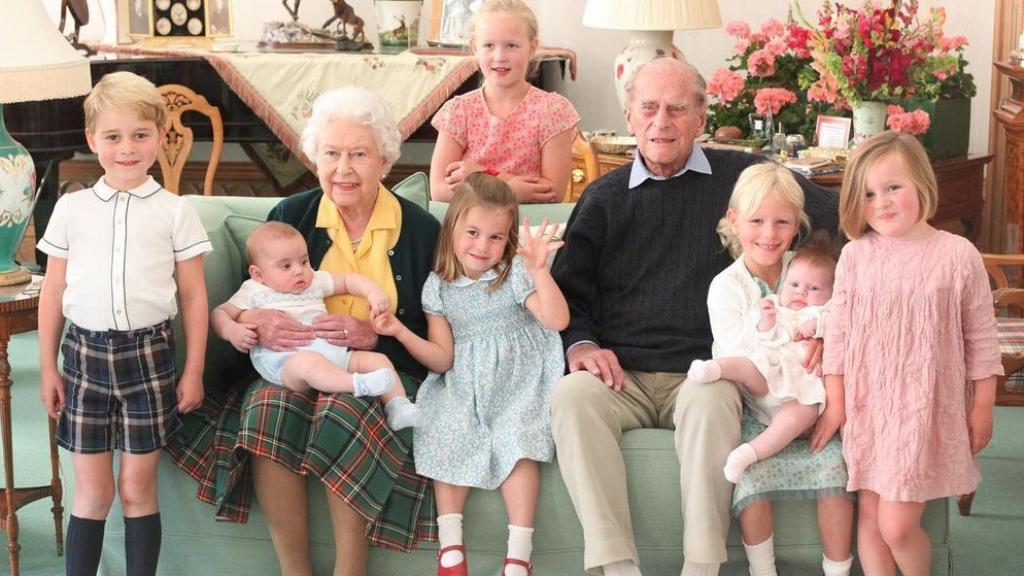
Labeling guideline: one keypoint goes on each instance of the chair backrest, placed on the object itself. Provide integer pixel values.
(178, 139)
(581, 178)
(1005, 272)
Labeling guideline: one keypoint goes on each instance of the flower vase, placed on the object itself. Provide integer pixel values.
(17, 198)
(950, 130)
(398, 22)
(868, 120)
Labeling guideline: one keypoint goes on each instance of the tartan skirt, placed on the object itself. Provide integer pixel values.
(341, 440)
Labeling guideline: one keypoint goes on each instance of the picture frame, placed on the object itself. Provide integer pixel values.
(218, 18)
(448, 20)
(138, 16)
(833, 131)
(180, 21)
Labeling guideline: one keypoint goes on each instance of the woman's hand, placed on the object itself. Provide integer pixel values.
(345, 331)
(533, 190)
(535, 250)
(277, 330)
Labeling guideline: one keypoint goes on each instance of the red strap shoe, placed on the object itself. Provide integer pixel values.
(517, 562)
(459, 569)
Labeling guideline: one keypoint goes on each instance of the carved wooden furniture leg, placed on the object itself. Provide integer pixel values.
(963, 503)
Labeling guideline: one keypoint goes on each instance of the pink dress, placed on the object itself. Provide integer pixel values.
(511, 144)
(909, 325)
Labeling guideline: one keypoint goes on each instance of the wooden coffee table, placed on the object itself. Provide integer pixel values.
(19, 308)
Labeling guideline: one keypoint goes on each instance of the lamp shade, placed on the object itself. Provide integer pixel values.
(652, 14)
(36, 62)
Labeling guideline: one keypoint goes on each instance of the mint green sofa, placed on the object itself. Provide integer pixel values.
(195, 544)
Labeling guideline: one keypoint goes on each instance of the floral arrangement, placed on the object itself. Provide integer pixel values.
(798, 70)
(770, 72)
(884, 53)
(916, 122)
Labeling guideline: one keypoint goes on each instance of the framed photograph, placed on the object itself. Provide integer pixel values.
(832, 131)
(218, 17)
(139, 16)
(448, 22)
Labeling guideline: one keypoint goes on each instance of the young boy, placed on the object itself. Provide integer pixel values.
(282, 279)
(118, 253)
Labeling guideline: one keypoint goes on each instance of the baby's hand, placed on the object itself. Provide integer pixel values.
(243, 336)
(768, 312)
(536, 249)
(386, 324)
(379, 302)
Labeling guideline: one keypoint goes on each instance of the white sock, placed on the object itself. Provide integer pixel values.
(520, 547)
(699, 569)
(738, 460)
(704, 371)
(372, 383)
(622, 568)
(449, 533)
(762, 557)
(401, 413)
(833, 568)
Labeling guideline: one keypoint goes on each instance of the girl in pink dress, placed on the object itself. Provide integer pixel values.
(911, 354)
(507, 128)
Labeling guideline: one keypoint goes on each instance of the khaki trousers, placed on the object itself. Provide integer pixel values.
(588, 419)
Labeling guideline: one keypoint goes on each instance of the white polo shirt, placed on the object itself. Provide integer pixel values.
(121, 248)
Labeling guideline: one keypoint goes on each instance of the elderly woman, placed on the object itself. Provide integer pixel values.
(351, 223)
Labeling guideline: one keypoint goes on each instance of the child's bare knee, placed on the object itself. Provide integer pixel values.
(93, 499)
(137, 493)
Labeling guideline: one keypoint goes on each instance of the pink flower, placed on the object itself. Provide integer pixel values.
(772, 28)
(725, 85)
(893, 109)
(775, 48)
(761, 63)
(916, 122)
(737, 29)
(772, 100)
(758, 38)
(741, 46)
(948, 44)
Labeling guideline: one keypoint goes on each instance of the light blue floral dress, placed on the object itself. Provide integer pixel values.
(492, 408)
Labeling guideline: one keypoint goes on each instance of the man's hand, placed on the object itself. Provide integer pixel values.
(345, 331)
(598, 361)
(768, 313)
(51, 392)
(242, 336)
(830, 421)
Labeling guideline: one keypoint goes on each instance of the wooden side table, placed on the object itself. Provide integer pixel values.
(19, 311)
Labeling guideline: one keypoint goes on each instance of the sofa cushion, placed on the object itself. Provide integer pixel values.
(414, 188)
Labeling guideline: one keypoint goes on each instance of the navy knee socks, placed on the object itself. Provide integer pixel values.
(142, 544)
(83, 546)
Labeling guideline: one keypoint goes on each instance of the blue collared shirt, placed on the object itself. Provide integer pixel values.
(697, 162)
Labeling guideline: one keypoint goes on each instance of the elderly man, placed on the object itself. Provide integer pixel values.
(641, 250)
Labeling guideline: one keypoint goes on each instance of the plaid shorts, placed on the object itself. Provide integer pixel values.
(120, 390)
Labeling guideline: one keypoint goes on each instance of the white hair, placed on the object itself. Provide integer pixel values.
(357, 105)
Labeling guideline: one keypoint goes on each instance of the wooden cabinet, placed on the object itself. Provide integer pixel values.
(960, 181)
(1010, 116)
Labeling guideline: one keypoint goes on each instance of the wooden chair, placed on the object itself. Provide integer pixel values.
(580, 178)
(179, 139)
(1008, 302)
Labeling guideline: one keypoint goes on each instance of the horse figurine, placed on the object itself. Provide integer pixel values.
(293, 11)
(79, 10)
(346, 15)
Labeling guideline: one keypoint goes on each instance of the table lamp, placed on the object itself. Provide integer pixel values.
(36, 63)
(651, 23)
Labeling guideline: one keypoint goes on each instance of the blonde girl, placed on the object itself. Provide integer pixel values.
(765, 216)
(507, 128)
(493, 349)
(910, 347)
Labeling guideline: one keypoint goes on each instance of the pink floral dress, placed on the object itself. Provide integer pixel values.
(910, 325)
(511, 144)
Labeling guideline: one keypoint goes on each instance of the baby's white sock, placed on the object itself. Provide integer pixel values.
(401, 413)
(449, 533)
(372, 383)
(762, 557)
(520, 547)
(833, 568)
(699, 569)
(622, 568)
(704, 371)
(738, 460)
